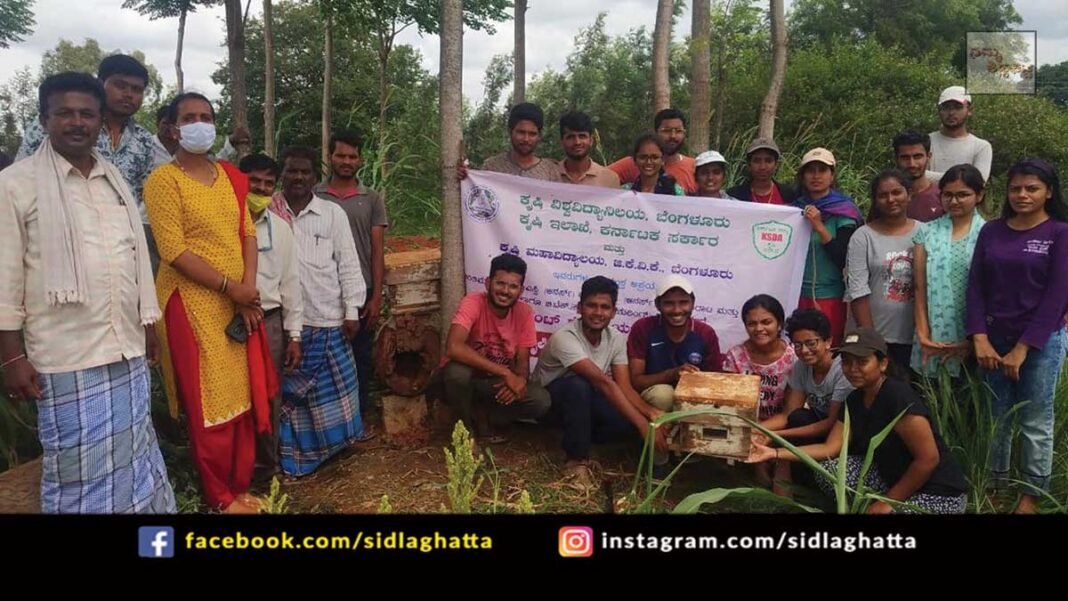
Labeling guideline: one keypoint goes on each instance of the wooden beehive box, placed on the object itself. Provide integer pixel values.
(413, 281)
(722, 435)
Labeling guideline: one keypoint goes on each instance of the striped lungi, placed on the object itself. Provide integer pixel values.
(100, 448)
(321, 404)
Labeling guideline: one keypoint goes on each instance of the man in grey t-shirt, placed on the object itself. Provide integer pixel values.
(952, 144)
(366, 213)
(584, 366)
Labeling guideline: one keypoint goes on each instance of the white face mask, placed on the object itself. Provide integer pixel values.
(197, 138)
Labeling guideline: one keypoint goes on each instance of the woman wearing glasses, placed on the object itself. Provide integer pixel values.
(649, 156)
(943, 254)
(815, 389)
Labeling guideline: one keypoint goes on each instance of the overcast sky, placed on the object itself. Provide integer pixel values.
(551, 27)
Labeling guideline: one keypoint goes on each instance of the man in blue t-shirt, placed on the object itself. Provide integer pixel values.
(662, 347)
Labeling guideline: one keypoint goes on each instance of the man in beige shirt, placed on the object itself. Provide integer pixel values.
(576, 138)
(76, 307)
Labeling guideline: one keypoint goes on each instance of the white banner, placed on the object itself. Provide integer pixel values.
(729, 250)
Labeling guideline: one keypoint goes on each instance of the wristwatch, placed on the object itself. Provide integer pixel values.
(294, 337)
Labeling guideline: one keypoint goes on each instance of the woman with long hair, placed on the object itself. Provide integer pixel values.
(942, 257)
(1017, 299)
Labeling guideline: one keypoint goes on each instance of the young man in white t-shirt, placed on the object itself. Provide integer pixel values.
(952, 144)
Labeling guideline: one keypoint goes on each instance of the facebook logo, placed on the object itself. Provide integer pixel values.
(155, 541)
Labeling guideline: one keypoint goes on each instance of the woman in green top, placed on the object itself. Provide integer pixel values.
(834, 217)
(943, 256)
(649, 156)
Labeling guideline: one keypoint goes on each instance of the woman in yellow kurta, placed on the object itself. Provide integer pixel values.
(207, 275)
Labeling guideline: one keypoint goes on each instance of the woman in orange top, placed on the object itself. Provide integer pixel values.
(195, 205)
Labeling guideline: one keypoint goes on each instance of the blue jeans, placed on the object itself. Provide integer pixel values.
(1038, 382)
(587, 416)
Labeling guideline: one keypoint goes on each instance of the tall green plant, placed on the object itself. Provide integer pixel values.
(463, 467)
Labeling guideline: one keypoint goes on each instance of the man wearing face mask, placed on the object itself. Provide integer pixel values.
(280, 294)
(216, 360)
(131, 148)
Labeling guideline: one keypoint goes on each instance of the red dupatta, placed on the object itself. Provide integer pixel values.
(262, 375)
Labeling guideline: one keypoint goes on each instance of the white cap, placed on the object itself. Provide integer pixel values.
(673, 281)
(957, 93)
(707, 157)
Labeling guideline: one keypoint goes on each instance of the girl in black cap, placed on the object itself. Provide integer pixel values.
(912, 465)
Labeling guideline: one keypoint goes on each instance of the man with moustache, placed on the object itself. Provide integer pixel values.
(366, 211)
(912, 153)
(576, 138)
(134, 150)
(670, 126)
(77, 307)
(525, 122)
(584, 367)
(487, 374)
(320, 408)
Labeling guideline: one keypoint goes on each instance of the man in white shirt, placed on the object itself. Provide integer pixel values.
(952, 144)
(77, 303)
(280, 295)
(321, 409)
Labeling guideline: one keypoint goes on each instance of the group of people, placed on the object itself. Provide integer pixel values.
(256, 288)
(928, 286)
(123, 249)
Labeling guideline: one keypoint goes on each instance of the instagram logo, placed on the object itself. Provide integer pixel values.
(576, 541)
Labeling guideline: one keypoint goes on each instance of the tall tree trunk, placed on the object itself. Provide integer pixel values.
(235, 45)
(328, 90)
(385, 48)
(520, 56)
(701, 76)
(178, 52)
(770, 106)
(268, 80)
(451, 107)
(721, 96)
(661, 48)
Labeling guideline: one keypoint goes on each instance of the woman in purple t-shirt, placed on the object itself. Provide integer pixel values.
(1017, 299)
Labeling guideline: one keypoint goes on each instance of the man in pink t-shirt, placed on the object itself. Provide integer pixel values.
(487, 372)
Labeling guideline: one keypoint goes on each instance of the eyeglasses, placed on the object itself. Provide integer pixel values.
(959, 196)
(811, 344)
(648, 158)
(668, 131)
